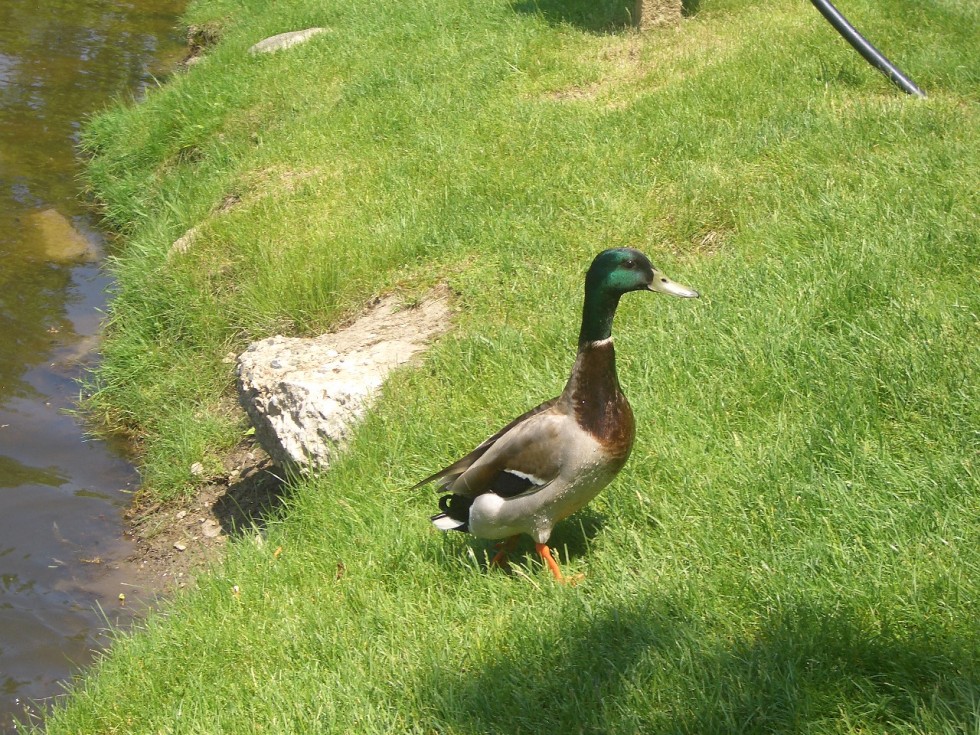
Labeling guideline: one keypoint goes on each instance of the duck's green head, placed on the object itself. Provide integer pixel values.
(620, 270)
(613, 273)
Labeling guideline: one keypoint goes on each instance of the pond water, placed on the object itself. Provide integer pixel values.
(62, 493)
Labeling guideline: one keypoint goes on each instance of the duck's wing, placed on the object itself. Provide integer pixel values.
(523, 459)
(448, 475)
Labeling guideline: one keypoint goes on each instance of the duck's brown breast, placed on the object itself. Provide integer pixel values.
(599, 405)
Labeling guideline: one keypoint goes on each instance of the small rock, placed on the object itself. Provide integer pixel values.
(181, 515)
(285, 40)
(197, 469)
(183, 243)
(210, 528)
(180, 546)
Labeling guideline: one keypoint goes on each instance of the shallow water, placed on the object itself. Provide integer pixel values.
(61, 493)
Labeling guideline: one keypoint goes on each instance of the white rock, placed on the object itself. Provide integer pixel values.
(183, 243)
(285, 40)
(305, 396)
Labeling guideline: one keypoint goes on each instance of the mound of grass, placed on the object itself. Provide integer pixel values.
(793, 545)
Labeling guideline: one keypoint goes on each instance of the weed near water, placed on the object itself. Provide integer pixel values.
(792, 546)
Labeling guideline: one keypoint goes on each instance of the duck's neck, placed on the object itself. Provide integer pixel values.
(594, 373)
(593, 379)
(597, 316)
(593, 393)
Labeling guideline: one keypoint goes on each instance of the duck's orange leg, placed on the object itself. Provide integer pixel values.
(503, 549)
(547, 558)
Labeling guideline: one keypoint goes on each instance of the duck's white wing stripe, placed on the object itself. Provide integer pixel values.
(533, 479)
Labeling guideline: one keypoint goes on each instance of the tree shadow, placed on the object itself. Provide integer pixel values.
(605, 671)
(559, 683)
(595, 16)
(809, 666)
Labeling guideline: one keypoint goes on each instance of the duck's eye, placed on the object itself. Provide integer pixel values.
(631, 264)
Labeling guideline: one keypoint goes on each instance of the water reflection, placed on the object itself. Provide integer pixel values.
(60, 493)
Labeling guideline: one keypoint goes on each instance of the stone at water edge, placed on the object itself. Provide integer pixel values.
(60, 240)
(305, 396)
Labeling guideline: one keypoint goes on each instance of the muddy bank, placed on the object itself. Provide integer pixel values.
(178, 539)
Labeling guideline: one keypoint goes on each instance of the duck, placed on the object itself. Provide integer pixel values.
(553, 460)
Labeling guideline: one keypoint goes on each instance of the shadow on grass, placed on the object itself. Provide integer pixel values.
(594, 16)
(650, 669)
(690, 7)
(251, 502)
(560, 682)
(810, 666)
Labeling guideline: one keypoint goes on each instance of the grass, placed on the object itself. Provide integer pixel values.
(792, 547)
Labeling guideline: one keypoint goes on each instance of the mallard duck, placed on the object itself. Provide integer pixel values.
(551, 461)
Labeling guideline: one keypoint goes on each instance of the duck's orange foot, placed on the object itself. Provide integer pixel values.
(503, 549)
(545, 553)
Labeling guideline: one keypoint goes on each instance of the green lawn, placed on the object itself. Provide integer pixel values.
(794, 546)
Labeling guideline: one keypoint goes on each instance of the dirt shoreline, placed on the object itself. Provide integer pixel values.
(177, 539)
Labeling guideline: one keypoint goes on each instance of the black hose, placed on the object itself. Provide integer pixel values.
(869, 52)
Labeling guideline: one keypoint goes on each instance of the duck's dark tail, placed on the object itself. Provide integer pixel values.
(455, 514)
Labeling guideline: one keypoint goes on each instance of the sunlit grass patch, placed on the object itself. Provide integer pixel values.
(791, 546)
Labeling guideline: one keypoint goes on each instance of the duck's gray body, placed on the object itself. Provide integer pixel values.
(551, 461)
